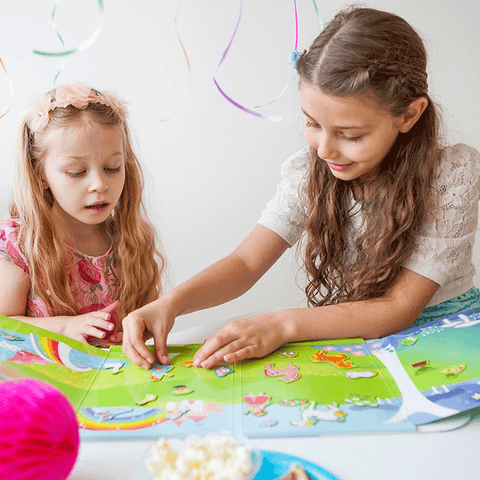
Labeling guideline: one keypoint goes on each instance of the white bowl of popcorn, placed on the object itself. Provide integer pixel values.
(204, 455)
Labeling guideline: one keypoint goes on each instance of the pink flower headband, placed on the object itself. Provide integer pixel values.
(77, 94)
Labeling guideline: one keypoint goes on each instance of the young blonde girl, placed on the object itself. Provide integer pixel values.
(386, 214)
(78, 250)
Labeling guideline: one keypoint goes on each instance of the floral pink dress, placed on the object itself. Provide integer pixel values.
(92, 279)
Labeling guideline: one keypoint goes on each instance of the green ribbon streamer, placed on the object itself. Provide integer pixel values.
(82, 46)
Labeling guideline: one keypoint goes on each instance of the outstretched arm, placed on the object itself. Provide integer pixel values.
(260, 335)
(223, 281)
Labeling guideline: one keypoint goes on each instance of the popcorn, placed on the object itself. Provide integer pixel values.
(213, 457)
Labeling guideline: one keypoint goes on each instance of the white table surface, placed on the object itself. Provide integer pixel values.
(446, 455)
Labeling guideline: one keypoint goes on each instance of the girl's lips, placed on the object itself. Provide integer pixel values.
(97, 207)
(338, 167)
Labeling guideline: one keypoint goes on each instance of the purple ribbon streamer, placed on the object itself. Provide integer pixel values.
(227, 97)
(291, 71)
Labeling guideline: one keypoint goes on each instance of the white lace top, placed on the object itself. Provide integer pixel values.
(445, 246)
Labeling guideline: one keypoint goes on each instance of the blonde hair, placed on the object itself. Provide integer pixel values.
(140, 263)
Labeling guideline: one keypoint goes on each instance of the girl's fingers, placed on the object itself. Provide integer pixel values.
(214, 343)
(242, 354)
(93, 331)
(135, 357)
(102, 315)
(160, 345)
(133, 345)
(210, 360)
(104, 325)
(100, 324)
(112, 307)
(140, 358)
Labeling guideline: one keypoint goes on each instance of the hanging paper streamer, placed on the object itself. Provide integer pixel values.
(175, 21)
(293, 55)
(319, 18)
(82, 46)
(55, 29)
(231, 100)
(10, 86)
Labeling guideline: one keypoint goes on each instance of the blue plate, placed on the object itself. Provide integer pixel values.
(275, 464)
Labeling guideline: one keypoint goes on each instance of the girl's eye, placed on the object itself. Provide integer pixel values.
(113, 169)
(354, 139)
(308, 123)
(75, 174)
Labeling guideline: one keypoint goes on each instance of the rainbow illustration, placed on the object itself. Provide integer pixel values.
(120, 418)
(55, 352)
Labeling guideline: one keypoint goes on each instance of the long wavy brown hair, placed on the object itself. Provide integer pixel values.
(140, 263)
(377, 54)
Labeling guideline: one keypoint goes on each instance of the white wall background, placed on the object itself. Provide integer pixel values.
(211, 169)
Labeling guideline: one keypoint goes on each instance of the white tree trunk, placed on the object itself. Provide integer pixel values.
(412, 399)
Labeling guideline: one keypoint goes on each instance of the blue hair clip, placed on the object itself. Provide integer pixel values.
(293, 58)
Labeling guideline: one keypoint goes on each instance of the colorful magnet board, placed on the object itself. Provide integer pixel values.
(328, 387)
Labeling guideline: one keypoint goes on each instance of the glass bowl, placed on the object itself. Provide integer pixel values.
(215, 451)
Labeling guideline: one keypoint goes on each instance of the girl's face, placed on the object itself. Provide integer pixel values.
(351, 134)
(84, 168)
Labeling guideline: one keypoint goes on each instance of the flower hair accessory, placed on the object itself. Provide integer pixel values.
(77, 94)
(293, 58)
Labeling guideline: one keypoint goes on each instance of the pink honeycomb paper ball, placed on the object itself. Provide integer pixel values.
(39, 436)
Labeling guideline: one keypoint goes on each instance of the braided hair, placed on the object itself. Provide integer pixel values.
(375, 54)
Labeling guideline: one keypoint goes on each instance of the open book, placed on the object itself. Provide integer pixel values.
(312, 388)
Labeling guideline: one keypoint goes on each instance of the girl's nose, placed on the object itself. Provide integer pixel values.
(326, 146)
(98, 183)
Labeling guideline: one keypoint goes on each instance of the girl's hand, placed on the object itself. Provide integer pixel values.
(92, 324)
(151, 320)
(253, 337)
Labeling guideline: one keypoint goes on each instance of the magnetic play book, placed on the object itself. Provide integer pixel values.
(312, 388)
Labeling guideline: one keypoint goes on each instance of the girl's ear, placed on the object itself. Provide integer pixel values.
(412, 114)
(44, 182)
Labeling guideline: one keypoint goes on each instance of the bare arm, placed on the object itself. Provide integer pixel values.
(221, 282)
(374, 318)
(14, 286)
(258, 336)
(231, 276)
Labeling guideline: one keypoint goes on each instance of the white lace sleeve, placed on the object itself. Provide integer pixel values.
(285, 213)
(444, 250)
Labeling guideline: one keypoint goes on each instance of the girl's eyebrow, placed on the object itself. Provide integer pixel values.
(81, 157)
(339, 127)
(306, 114)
